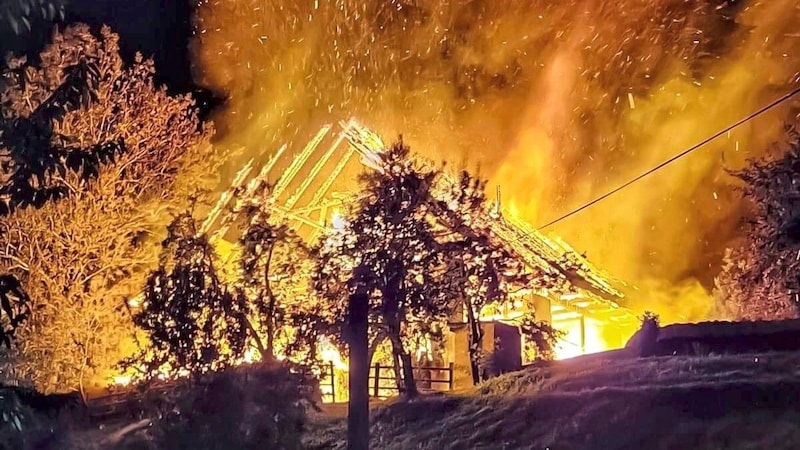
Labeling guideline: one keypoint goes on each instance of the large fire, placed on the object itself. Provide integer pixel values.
(549, 256)
(579, 340)
(555, 101)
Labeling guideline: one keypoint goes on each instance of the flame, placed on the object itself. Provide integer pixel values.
(337, 220)
(252, 355)
(329, 353)
(135, 302)
(557, 102)
(569, 345)
(122, 380)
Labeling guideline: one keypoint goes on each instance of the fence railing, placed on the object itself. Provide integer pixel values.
(326, 379)
(423, 376)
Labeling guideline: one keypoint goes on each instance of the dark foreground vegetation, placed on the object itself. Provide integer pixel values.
(251, 406)
(713, 402)
(705, 400)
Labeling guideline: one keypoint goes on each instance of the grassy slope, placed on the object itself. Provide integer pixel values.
(741, 402)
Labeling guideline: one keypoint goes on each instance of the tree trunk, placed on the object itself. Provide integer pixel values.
(259, 345)
(271, 305)
(373, 347)
(398, 374)
(393, 318)
(409, 384)
(270, 348)
(358, 376)
(475, 340)
(81, 388)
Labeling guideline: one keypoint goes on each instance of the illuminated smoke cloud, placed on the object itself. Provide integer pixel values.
(555, 101)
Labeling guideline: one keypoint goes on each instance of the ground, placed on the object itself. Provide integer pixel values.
(715, 402)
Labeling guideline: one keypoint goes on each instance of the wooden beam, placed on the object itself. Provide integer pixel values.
(583, 334)
(298, 162)
(315, 170)
(566, 316)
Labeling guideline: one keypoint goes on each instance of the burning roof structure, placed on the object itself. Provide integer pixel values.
(307, 189)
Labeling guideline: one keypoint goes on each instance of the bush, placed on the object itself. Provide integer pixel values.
(248, 407)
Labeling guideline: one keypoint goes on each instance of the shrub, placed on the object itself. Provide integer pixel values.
(255, 406)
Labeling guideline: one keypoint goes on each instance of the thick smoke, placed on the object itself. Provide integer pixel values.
(556, 102)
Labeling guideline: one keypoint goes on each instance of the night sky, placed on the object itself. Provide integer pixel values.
(159, 29)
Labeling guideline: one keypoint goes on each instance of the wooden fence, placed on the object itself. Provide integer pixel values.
(383, 382)
(327, 380)
(124, 401)
(423, 376)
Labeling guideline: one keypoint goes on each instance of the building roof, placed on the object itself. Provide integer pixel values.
(319, 178)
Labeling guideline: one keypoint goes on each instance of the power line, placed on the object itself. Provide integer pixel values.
(705, 141)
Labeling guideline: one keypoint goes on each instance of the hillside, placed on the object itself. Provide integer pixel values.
(732, 402)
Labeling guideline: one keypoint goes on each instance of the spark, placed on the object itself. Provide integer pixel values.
(541, 110)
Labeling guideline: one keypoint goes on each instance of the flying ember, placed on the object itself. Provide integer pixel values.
(554, 102)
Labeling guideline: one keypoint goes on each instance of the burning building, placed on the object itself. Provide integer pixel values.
(308, 186)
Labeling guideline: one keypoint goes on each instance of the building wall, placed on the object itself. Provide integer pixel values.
(501, 343)
(583, 335)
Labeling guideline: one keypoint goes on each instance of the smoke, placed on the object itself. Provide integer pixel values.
(556, 102)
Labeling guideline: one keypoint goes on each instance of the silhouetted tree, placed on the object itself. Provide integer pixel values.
(274, 265)
(390, 236)
(482, 268)
(193, 323)
(427, 243)
(761, 278)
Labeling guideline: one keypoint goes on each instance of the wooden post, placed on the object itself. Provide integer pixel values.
(376, 384)
(333, 382)
(358, 376)
(451, 368)
(583, 334)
